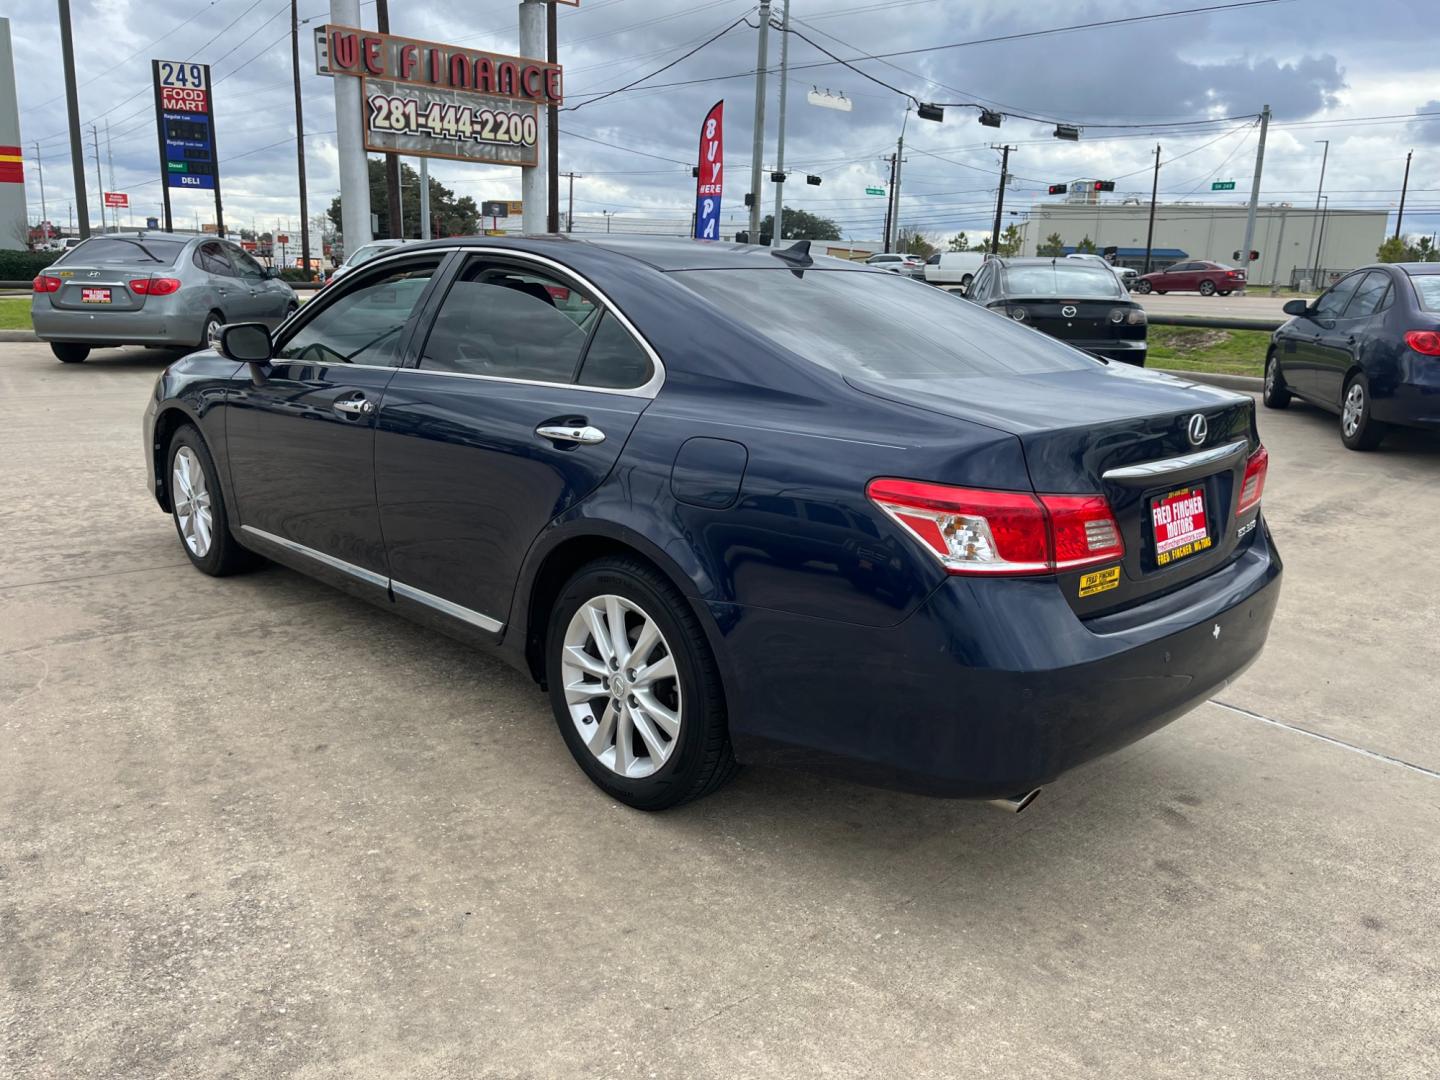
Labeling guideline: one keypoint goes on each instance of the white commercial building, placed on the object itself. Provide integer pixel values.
(1287, 237)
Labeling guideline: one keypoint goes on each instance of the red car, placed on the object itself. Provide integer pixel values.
(1206, 278)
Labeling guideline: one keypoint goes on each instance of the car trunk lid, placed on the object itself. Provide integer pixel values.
(98, 287)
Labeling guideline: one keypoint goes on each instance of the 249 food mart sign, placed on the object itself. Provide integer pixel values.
(434, 100)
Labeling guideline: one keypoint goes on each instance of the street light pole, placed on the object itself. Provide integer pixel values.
(757, 153)
(1310, 247)
(776, 233)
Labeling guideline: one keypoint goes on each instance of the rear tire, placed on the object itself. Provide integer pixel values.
(197, 506)
(1275, 395)
(652, 743)
(67, 352)
(1142, 287)
(1359, 430)
(1207, 288)
(211, 331)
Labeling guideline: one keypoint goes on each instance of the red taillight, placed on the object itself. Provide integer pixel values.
(1001, 532)
(160, 286)
(46, 283)
(1425, 342)
(1253, 485)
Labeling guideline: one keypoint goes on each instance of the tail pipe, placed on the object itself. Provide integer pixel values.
(1015, 803)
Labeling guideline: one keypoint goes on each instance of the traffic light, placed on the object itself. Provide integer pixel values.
(1104, 185)
(1059, 189)
(989, 118)
(1254, 256)
(749, 199)
(813, 180)
(742, 237)
(777, 177)
(928, 111)
(695, 171)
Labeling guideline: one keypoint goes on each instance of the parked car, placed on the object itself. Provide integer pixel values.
(743, 505)
(907, 265)
(1126, 274)
(154, 289)
(953, 268)
(1074, 300)
(363, 254)
(1367, 348)
(1206, 278)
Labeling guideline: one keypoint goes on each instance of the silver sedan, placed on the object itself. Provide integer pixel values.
(154, 289)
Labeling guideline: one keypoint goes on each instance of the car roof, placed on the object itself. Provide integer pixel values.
(662, 253)
(1418, 269)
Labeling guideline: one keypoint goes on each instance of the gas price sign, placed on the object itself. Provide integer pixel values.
(187, 128)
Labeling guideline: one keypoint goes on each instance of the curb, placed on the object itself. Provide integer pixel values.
(1251, 384)
(17, 335)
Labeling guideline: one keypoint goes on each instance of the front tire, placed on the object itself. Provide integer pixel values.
(1207, 288)
(197, 506)
(1275, 395)
(1143, 287)
(635, 688)
(68, 352)
(1359, 430)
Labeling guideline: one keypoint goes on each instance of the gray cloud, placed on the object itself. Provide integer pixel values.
(1428, 130)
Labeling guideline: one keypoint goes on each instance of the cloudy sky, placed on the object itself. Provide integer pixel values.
(1330, 69)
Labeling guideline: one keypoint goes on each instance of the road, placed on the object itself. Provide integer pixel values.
(251, 827)
(1258, 304)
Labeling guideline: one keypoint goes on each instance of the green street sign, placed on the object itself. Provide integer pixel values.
(1223, 185)
(881, 190)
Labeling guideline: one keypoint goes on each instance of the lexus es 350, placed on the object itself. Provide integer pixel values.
(733, 505)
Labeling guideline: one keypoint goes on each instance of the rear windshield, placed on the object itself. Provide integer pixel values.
(1061, 279)
(876, 325)
(1427, 287)
(143, 251)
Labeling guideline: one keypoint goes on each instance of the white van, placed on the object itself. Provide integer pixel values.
(953, 267)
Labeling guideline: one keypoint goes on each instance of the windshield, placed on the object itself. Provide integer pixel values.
(1061, 279)
(130, 250)
(877, 325)
(1427, 287)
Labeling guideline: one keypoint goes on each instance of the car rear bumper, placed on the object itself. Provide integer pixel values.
(116, 327)
(993, 686)
(1415, 402)
(1126, 352)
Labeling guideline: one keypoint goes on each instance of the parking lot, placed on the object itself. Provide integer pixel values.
(253, 827)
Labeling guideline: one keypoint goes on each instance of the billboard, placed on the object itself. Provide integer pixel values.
(185, 122)
(117, 200)
(710, 181)
(432, 100)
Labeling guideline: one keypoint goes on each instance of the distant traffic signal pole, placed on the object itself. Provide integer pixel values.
(72, 106)
(1154, 192)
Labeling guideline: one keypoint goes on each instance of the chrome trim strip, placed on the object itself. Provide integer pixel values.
(1151, 470)
(367, 576)
(445, 607)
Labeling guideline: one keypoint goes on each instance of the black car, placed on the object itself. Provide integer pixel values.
(1367, 348)
(732, 505)
(1081, 304)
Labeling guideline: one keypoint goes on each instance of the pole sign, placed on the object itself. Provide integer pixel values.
(710, 182)
(119, 200)
(1223, 185)
(445, 101)
(186, 124)
(874, 191)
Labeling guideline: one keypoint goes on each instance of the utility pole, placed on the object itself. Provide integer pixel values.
(889, 202)
(570, 213)
(1279, 252)
(776, 233)
(757, 152)
(99, 176)
(1320, 247)
(72, 107)
(392, 161)
(44, 214)
(1154, 191)
(349, 124)
(533, 180)
(424, 198)
(110, 167)
(1310, 247)
(299, 136)
(552, 111)
(1000, 195)
(1254, 194)
(1403, 186)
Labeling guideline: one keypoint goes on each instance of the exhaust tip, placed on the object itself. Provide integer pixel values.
(1015, 803)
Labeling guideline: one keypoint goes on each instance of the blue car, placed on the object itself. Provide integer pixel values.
(728, 504)
(1368, 348)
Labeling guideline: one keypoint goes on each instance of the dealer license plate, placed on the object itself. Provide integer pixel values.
(95, 296)
(1178, 520)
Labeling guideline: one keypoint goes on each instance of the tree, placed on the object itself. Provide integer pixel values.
(449, 216)
(1011, 241)
(1053, 246)
(1426, 251)
(1086, 246)
(1393, 250)
(912, 242)
(800, 225)
(960, 242)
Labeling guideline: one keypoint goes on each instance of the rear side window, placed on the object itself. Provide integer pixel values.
(873, 325)
(1427, 288)
(615, 360)
(136, 251)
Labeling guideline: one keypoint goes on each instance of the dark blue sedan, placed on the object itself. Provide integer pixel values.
(733, 505)
(1368, 348)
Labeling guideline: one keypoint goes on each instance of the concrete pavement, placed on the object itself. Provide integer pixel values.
(1257, 304)
(253, 828)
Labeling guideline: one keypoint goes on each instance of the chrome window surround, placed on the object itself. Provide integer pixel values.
(408, 592)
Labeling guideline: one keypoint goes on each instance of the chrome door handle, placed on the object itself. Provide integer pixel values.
(587, 435)
(355, 406)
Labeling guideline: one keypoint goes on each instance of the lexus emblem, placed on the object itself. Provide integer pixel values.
(1068, 311)
(1198, 430)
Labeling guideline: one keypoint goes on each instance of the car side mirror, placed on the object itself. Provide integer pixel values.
(272, 271)
(246, 343)
(1296, 307)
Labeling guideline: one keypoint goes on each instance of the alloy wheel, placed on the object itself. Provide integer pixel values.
(1354, 409)
(192, 502)
(621, 686)
(1270, 377)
